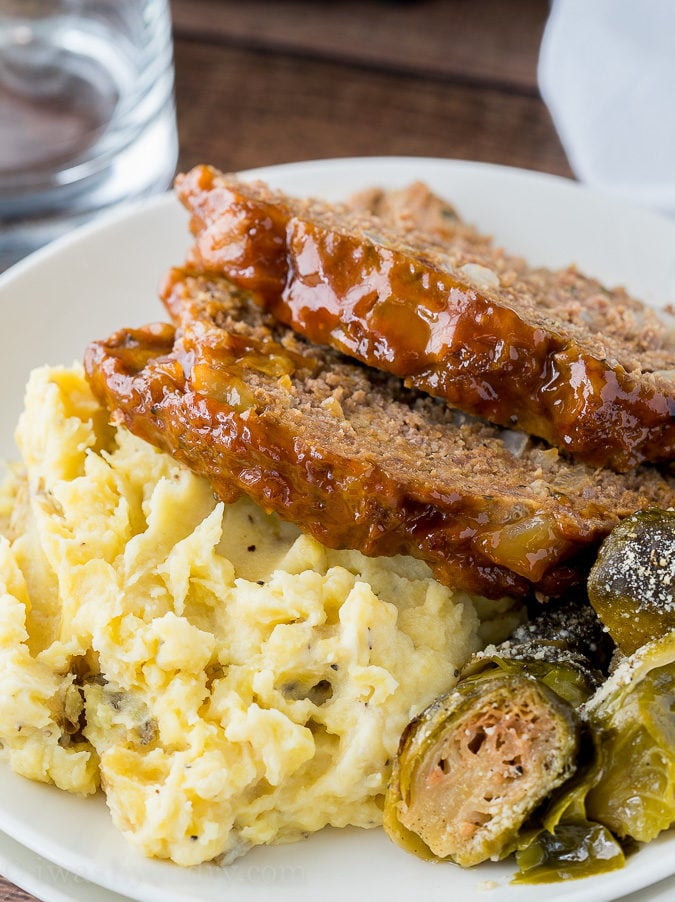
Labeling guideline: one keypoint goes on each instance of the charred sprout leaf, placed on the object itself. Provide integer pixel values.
(474, 770)
(573, 849)
(565, 647)
(634, 713)
(569, 626)
(632, 583)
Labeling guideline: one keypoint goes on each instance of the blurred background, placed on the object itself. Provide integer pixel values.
(572, 88)
(272, 81)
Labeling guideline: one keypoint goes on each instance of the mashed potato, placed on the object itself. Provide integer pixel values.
(225, 680)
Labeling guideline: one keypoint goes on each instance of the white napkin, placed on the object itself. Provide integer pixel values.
(607, 75)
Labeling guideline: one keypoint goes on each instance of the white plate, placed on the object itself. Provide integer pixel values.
(52, 883)
(103, 277)
(44, 879)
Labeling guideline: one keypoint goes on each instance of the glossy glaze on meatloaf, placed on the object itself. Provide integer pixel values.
(352, 456)
(552, 353)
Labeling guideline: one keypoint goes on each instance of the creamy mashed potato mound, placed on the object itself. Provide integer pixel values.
(225, 680)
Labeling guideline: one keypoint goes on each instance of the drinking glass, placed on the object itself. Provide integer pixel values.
(87, 116)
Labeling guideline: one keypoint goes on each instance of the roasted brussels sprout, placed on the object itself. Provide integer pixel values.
(632, 584)
(634, 715)
(475, 766)
(535, 752)
(629, 792)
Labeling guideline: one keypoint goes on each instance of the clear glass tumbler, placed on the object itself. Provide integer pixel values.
(87, 116)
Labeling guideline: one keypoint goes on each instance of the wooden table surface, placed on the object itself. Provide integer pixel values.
(273, 81)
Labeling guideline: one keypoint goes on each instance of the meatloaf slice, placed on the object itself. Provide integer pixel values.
(352, 456)
(552, 353)
(416, 208)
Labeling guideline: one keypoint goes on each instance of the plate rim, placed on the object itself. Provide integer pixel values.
(119, 213)
(157, 204)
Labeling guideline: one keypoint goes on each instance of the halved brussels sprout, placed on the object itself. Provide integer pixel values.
(474, 768)
(475, 765)
(632, 584)
(634, 715)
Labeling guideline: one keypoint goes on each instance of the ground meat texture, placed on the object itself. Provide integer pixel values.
(555, 354)
(350, 455)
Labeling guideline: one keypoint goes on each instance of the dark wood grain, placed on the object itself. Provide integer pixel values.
(11, 893)
(274, 81)
(259, 83)
(240, 108)
(485, 41)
